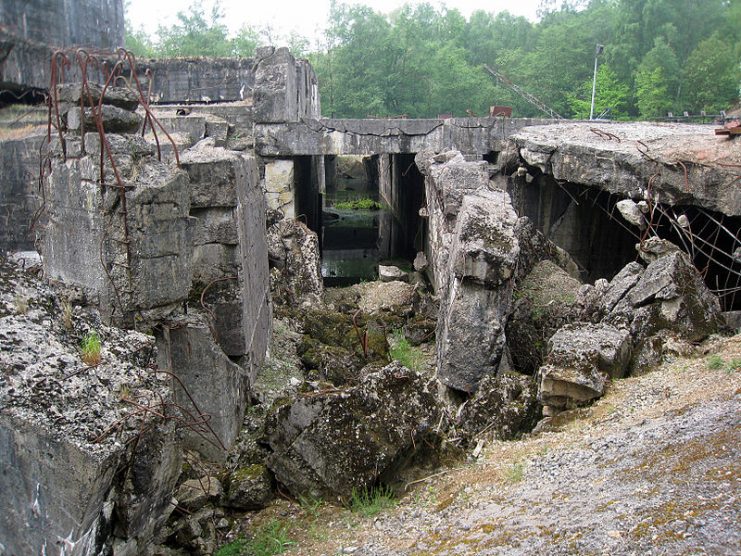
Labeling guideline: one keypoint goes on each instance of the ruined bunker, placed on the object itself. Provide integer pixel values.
(149, 204)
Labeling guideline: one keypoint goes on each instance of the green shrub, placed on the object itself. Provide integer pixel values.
(371, 501)
(515, 473)
(715, 362)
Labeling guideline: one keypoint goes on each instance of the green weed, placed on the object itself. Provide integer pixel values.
(358, 204)
(91, 349)
(237, 547)
(310, 505)
(371, 501)
(715, 362)
(405, 353)
(269, 539)
(515, 473)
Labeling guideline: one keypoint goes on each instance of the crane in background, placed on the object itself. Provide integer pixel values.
(539, 104)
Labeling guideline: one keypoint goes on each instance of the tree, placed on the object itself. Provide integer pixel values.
(652, 92)
(195, 34)
(245, 42)
(138, 42)
(711, 76)
(611, 94)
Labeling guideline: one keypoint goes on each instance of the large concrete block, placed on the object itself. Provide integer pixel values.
(213, 173)
(214, 225)
(134, 261)
(276, 92)
(79, 464)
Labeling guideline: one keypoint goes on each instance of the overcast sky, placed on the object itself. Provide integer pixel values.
(303, 16)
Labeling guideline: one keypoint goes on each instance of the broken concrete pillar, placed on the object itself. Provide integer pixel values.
(294, 253)
(211, 390)
(276, 91)
(279, 186)
(230, 260)
(285, 90)
(473, 314)
(447, 179)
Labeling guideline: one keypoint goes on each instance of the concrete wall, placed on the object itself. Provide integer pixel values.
(31, 30)
(20, 197)
(61, 23)
(199, 79)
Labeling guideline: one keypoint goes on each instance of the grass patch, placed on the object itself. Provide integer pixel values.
(717, 363)
(372, 501)
(269, 539)
(404, 352)
(515, 473)
(358, 204)
(310, 505)
(91, 349)
(237, 547)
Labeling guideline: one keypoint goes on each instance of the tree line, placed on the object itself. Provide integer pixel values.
(422, 60)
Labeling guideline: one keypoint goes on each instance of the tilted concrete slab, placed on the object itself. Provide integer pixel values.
(685, 164)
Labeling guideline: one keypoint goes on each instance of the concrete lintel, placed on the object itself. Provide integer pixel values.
(393, 136)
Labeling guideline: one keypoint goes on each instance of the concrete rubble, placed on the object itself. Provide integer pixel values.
(329, 443)
(295, 259)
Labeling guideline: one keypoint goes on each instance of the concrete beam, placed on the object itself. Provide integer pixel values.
(475, 136)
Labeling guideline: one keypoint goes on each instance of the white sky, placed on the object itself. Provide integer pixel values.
(307, 18)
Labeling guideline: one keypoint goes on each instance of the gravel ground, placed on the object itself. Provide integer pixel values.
(651, 468)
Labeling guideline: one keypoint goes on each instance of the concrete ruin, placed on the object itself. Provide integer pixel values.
(171, 239)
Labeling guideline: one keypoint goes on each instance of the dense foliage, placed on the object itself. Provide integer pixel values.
(659, 56)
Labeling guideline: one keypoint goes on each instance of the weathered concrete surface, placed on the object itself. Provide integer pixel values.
(230, 259)
(66, 22)
(280, 182)
(84, 238)
(687, 164)
(294, 254)
(473, 313)
(254, 275)
(30, 31)
(447, 179)
(67, 430)
(503, 406)
(329, 443)
(20, 197)
(198, 79)
(364, 137)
